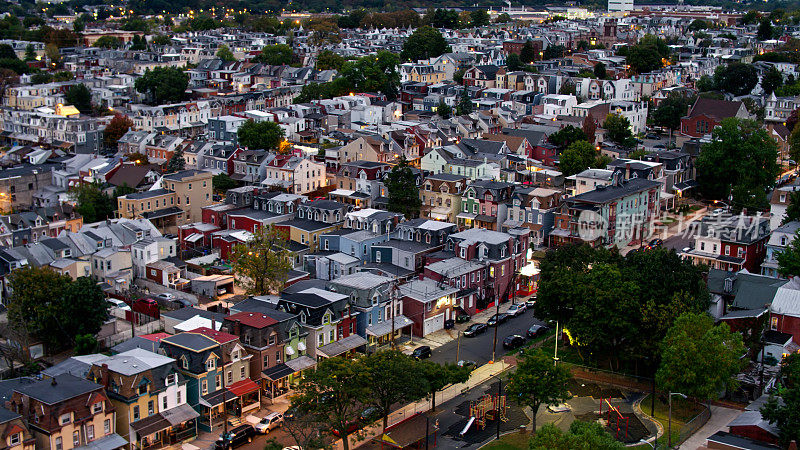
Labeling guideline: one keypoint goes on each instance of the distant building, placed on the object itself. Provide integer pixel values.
(620, 5)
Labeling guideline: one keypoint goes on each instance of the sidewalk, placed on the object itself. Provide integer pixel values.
(719, 420)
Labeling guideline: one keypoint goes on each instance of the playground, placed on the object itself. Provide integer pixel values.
(482, 413)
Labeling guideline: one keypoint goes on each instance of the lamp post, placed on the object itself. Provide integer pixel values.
(669, 424)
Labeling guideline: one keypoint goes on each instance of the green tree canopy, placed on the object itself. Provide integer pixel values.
(736, 78)
(537, 381)
(389, 380)
(444, 18)
(669, 112)
(107, 42)
(80, 97)
(648, 54)
(221, 182)
(224, 53)
(163, 85)
(698, 358)
(599, 71)
(444, 110)
(581, 435)
(705, 84)
(771, 80)
(566, 136)
(479, 18)
(579, 156)
(783, 407)
(92, 202)
(328, 60)
(618, 130)
(402, 190)
(260, 135)
(528, 53)
(424, 43)
(793, 209)
(765, 29)
(275, 55)
(376, 73)
(176, 163)
(514, 63)
(431, 377)
(740, 161)
(464, 103)
(789, 258)
(262, 264)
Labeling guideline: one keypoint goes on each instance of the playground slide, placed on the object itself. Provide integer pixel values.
(466, 427)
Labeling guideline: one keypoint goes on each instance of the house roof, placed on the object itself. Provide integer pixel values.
(192, 341)
(606, 194)
(253, 319)
(719, 109)
(59, 388)
(787, 300)
(219, 336)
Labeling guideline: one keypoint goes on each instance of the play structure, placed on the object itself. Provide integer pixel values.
(488, 407)
(612, 412)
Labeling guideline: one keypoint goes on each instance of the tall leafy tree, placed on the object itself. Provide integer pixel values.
(92, 202)
(528, 53)
(647, 55)
(390, 377)
(566, 136)
(618, 130)
(464, 103)
(163, 85)
(424, 43)
(793, 209)
(432, 377)
(537, 381)
(740, 161)
(30, 53)
(224, 53)
(765, 29)
(479, 18)
(444, 110)
(374, 73)
(736, 78)
(260, 135)
(699, 358)
(772, 79)
(599, 71)
(176, 163)
(334, 392)
(222, 182)
(554, 51)
(783, 407)
(275, 55)
(794, 144)
(328, 60)
(579, 156)
(789, 259)
(115, 129)
(262, 264)
(670, 111)
(514, 63)
(80, 97)
(402, 190)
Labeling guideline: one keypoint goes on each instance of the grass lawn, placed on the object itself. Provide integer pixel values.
(517, 440)
(682, 412)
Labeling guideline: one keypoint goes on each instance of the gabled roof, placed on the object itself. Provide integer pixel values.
(719, 109)
(253, 319)
(58, 389)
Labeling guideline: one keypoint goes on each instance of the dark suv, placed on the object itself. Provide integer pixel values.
(235, 437)
(421, 352)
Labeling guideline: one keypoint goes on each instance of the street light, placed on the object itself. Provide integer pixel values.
(669, 424)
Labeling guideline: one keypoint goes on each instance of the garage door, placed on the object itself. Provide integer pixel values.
(435, 323)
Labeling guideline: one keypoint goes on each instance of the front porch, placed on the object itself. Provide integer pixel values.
(169, 427)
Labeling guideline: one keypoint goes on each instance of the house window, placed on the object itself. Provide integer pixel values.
(773, 323)
(230, 377)
(59, 444)
(14, 439)
(64, 419)
(107, 426)
(76, 438)
(150, 408)
(164, 403)
(241, 372)
(89, 433)
(204, 387)
(218, 381)
(278, 357)
(143, 389)
(136, 412)
(178, 396)
(97, 407)
(211, 364)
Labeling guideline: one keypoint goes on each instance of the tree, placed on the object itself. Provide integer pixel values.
(479, 17)
(513, 63)
(260, 135)
(579, 156)
(554, 51)
(374, 73)
(115, 129)
(670, 111)
(7, 52)
(705, 84)
(698, 358)
(528, 53)
(464, 104)
(163, 85)
(424, 43)
(444, 110)
(736, 78)
(503, 18)
(224, 53)
(566, 136)
(328, 60)
(107, 42)
(80, 97)
(794, 144)
(600, 71)
(783, 407)
(138, 43)
(444, 18)
(275, 55)
(334, 392)
(92, 202)
(433, 377)
(771, 80)
(390, 377)
(537, 381)
(581, 435)
(221, 182)
(589, 128)
(740, 162)
(618, 130)
(402, 190)
(262, 264)
(458, 75)
(138, 158)
(53, 308)
(765, 30)
(648, 54)
(789, 258)
(176, 163)
(698, 24)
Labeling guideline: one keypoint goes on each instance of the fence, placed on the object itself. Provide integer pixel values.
(697, 422)
(639, 383)
(125, 334)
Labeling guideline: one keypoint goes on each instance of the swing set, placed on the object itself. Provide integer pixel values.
(612, 412)
(488, 407)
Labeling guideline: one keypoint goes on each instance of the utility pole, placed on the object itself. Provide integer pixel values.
(427, 430)
(555, 355)
(458, 346)
(499, 393)
(496, 325)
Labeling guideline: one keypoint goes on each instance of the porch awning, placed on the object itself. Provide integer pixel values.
(486, 218)
(559, 232)
(216, 398)
(278, 372)
(685, 185)
(111, 441)
(180, 414)
(194, 237)
(341, 346)
(385, 327)
(243, 387)
(301, 363)
(150, 425)
(465, 215)
(166, 212)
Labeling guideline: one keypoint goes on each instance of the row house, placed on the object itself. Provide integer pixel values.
(533, 208)
(364, 148)
(188, 119)
(146, 390)
(609, 90)
(219, 159)
(163, 147)
(483, 202)
(73, 133)
(250, 166)
(730, 242)
(441, 196)
(706, 113)
(778, 109)
(135, 141)
(779, 240)
(483, 76)
(431, 305)
(294, 174)
(359, 182)
(468, 277)
(328, 320)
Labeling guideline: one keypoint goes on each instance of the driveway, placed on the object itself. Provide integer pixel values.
(720, 418)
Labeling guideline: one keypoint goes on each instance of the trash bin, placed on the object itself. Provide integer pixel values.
(448, 324)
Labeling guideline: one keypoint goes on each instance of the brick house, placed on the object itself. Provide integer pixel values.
(784, 311)
(429, 304)
(707, 113)
(730, 243)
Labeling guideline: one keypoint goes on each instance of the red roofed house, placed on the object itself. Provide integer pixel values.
(707, 113)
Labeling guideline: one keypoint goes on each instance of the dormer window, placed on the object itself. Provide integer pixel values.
(184, 362)
(211, 364)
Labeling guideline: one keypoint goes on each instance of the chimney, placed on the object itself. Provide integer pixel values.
(213, 323)
(627, 171)
(237, 327)
(53, 381)
(104, 375)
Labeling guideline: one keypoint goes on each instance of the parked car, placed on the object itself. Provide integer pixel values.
(370, 414)
(467, 363)
(167, 296)
(222, 291)
(421, 352)
(717, 212)
(530, 303)
(475, 329)
(653, 136)
(292, 413)
(516, 310)
(235, 437)
(269, 422)
(537, 330)
(182, 303)
(118, 304)
(513, 341)
(497, 319)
